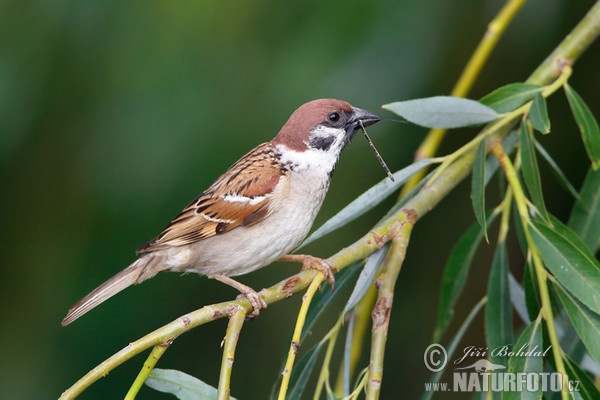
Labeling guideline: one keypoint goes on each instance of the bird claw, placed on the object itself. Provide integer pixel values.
(258, 303)
(321, 265)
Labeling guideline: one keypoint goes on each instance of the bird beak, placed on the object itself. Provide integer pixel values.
(367, 118)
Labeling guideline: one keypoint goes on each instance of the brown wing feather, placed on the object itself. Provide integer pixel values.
(254, 176)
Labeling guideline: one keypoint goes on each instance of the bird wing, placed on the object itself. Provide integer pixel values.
(239, 197)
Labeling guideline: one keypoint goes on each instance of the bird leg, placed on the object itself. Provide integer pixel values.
(320, 264)
(257, 302)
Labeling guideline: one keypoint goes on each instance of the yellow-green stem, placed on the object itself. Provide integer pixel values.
(505, 220)
(331, 337)
(295, 344)
(400, 234)
(361, 322)
(488, 42)
(155, 354)
(521, 203)
(236, 321)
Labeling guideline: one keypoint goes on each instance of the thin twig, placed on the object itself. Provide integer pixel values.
(429, 146)
(542, 275)
(295, 344)
(469, 75)
(400, 234)
(147, 368)
(236, 321)
(331, 337)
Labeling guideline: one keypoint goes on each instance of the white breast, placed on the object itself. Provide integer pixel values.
(295, 204)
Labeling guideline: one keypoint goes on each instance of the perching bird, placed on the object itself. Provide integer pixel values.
(258, 211)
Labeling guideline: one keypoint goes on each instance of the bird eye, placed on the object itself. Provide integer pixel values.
(334, 117)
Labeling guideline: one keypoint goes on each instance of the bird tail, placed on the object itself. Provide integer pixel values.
(143, 268)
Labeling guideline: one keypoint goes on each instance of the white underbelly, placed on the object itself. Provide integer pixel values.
(247, 248)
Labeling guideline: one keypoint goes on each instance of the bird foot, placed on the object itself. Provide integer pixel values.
(257, 302)
(311, 262)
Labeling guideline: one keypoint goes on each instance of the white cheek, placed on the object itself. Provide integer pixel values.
(323, 160)
(300, 160)
(328, 132)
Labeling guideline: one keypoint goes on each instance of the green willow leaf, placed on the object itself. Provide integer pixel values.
(585, 215)
(455, 276)
(498, 311)
(181, 385)
(556, 170)
(569, 260)
(478, 187)
(590, 131)
(517, 298)
(538, 114)
(451, 347)
(532, 292)
(585, 385)
(302, 372)
(586, 322)
(530, 340)
(326, 296)
(445, 112)
(530, 170)
(368, 200)
(366, 277)
(511, 96)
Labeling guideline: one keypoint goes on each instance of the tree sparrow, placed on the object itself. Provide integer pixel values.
(255, 213)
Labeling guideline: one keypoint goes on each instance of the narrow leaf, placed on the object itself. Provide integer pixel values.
(590, 131)
(455, 276)
(530, 341)
(531, 172)
(509, 144)
(365, 279)
(562, 178)
(368, 200)
(302, 372)
(532, 292)
(443, 112)
(451, 347)
(498, 312)
(569, 340)
(517, 298)
(511, 96)
(348, 354)
(181, 385)
(585, 215)
(538, 114)
(325, 296)
(586, 323)
(569, 260)
(585, 385)
(478, 187)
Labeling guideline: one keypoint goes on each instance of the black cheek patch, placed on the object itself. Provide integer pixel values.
(321, 142)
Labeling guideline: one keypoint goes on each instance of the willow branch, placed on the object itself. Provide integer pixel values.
(386, 281)
(147, 368)
(494, 32)
(428, 148)
(570, 49)
(295, 344)
(236, 321)
(542, 276)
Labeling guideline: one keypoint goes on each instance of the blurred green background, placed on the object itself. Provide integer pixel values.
(115, 114)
